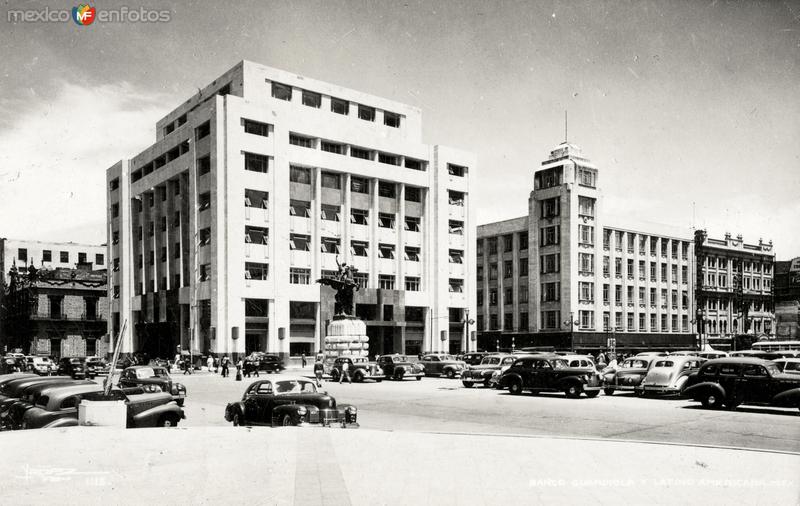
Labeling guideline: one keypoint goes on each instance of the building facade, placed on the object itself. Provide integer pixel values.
(58, 312)
(734, 290)
(787, 300)
(22, 254)
(567, 276)
(264, 182)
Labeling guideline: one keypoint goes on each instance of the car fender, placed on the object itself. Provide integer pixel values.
(695, 391)
(150, 417)
(506, 379)
(568, 381)
(287, 409)
(232, 408)
(67, 421)
(788, 397)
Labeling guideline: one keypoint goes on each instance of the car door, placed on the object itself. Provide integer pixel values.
(253, 401)
(755, 384)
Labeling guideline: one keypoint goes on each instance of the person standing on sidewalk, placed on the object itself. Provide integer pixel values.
(225, 366)
(303, 360)
(319, 369)
(210, 363)
(345, 372)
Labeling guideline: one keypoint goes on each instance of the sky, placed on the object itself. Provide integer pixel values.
(691, 110)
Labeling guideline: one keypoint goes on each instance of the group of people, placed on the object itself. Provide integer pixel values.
(220, 365)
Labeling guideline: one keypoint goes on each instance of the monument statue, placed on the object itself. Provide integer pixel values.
(345, 284)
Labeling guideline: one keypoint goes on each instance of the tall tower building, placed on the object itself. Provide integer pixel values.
(259, 185)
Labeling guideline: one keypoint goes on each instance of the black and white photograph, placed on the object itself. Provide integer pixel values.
(421, 252)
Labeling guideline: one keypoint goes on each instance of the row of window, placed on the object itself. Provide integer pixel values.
(338, 148)
(333, 180)
(508, 243)
(668, 323)
(171, 154)
(508, 295)
(620, 241)
(722, 264)
(549, 178)
(587, 295)
(508, 270)
(722, 305)
(47, 256)
(338, 105)
(724, 281)
(643, 271)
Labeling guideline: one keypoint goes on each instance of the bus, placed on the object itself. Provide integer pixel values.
(776, 345)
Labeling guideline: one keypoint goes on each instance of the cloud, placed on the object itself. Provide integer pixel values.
(55, 154)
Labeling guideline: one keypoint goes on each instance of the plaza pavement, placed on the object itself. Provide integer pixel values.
(333, 466)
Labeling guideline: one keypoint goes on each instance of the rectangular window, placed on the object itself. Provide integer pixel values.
(47, 255)
(386, 281)
(391, 119)
(205, 236)
(312, 99)
(523, 241)
(618, 236)
(653, 323)
(456, 227)
(412, 254)
(586, 206)
(523, 267)
(256, 127)
(64, 257)
(329, 245)
(508, 243)
(299, 175)
(22, 254)
(586, 263)
(642, 296)
(359, 185)
(203, 165)
(586, 177)
(330, 213)
(412, 164)
(551, 292)
(653, 298)
(630, 268)
(340, 106)
(388, 159)
(456, 170)
(550, 235)
(299, 140)
(606, 239)
(606, 298)
(618, 268)
(386, 189)
(367, 114)
(256, 198)
(257, 235)
(548, 178)
(551, 319)
(586, 319)
(255, 162)
(359, 248)
(479, 273)
(456, 285)
(364, 154)
(299, 276)
(412, 283)
(586, 291)
(300, 208)
(386, 251)
(203, 201)
(618, 295)
(523, 293)
(456, 256)
(281, 91)
(256, 271)
(332, 147)
(630, 321)
(413, 194)
(455, 198)
(606, 266)
(551, 208)
(550, 263)
(299, 242)
(359, 216)
(331, 180)
(493, 297)
(586, 235)
(386, 220)
(202, 131)
(205, 272)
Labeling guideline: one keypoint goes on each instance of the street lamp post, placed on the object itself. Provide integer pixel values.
(467, 322)
(572, 324)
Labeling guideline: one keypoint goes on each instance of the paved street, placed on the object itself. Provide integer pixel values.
(438, 404)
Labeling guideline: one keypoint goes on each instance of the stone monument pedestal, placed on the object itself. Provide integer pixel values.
(346, 336)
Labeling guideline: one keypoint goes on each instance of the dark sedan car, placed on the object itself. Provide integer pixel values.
(733, 381)
(75, 367)
(289, 401)
(549, 373)
(152, 376)
(629, 375)
(266, 362)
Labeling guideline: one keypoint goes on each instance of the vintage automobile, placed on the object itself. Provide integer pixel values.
(440, 364)
(669, 374)
(733, 381)
(97, 365)
(398, 367)
(25, 394)
(580, 362)
(13, 388)
(40, 365)
(268, 362)
(628, 375)
(483, 372)
(60, 407)
(289, 401)
(74, 367)
(473, 358)
(549, 373)
(788, 365)
(34, 396)
(359, 369)
(145, 375)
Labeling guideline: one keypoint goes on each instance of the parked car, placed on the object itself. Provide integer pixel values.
(549, 373)
(398, 367)
(25, 394)
(484, 372)
(440, 364)
(581, 362)
(669, 374)
(60, 408)
(12, 388)
(473, 358)
(788, 365)
(628, 375)
(40, 394)
(289, 401)
(359, 368)
(153, 376)
(41, 366)
(733, 381)
(710, 355)
(98, 365)
(13, 362)
(74, 367)
(267, 362)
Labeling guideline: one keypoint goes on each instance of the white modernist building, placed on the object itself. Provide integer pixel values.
(255, 188)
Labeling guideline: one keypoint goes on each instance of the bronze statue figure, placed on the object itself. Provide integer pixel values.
(344, 284)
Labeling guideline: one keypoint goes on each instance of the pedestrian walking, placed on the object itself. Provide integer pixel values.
(303, 360)
(239, 370)
(319, 369)
(225, 366)
(345, 372)
(210, 363)
(216, 365)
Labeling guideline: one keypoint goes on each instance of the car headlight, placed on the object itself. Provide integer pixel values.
(301, 410)
(585, 377)
(351, 410)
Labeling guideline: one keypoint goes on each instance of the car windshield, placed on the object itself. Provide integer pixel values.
(149, 372)
(76, 361)
(490, 361)
(635, 364)
(792, 366)
(772, 368)
(294, 387)
(446, 357)
(664, 363)
(399, 358)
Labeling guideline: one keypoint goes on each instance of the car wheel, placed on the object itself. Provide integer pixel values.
(592, 394)
(237, 419)
(167, 421)
(573, 391)
(515, 388)
(467, 384)
(711, 401)
(179, 402)
(334, 375)
(419, 378)
(358, 378)
(398, 375)
(608, 391)
(287, 421)
(487, 383)
(450, 374)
